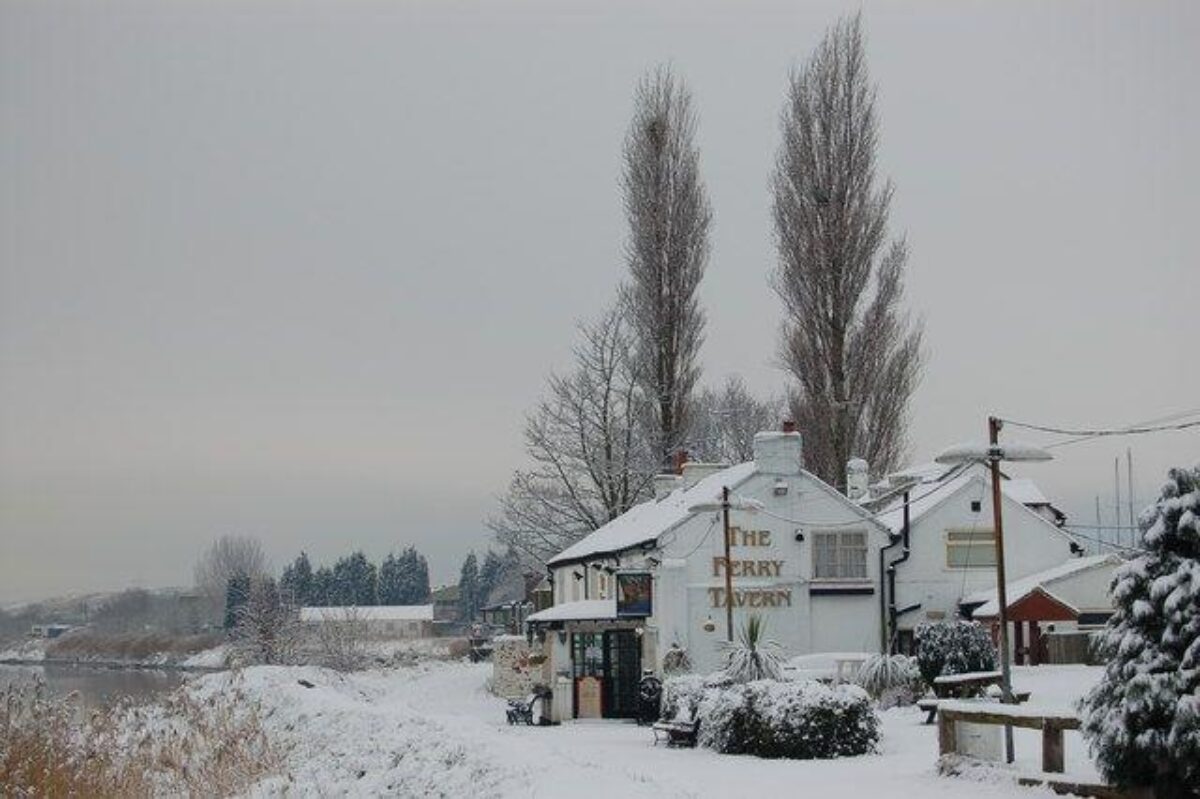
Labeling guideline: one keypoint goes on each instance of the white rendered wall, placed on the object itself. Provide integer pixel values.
(1031, 544)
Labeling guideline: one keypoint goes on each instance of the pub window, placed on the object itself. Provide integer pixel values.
(970, 549)
(840, 556)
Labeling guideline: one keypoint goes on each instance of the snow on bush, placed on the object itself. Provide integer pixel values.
(798, 720)
(681, 696)
(953, 647)
(1142, 721)
(890, 679)
(676, 661)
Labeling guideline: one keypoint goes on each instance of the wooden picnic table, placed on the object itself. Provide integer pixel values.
(1052, 723)
(965, 684)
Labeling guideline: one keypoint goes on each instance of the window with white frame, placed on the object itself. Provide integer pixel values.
(840, 555)
(970, 549)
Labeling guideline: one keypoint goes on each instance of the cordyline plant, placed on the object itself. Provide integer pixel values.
(753, 656)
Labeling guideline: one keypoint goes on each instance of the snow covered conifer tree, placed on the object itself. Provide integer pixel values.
(468, 588)
(1142, 721)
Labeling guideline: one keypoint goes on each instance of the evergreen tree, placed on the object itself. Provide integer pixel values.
(391, 582)
(322, 591)
(468, 588)
(491, 573)
(237, 591)
(355, 581)
(1142, 721)
(420, 588)
(296, 584)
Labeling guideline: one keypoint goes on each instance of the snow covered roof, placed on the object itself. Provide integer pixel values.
(583, 610)
(1019, 589)
(931, 485)
(1025, 491)
(650, 519)
(370, 613)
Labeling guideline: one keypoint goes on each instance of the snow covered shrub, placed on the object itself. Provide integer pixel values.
(953, 647)
(1142, 721)
(681, 696)
(798, 720)
(890, 679)
(752, 656)
(676, 661)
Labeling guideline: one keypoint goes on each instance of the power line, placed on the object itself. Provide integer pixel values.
(1107, 543)
(1080, 435)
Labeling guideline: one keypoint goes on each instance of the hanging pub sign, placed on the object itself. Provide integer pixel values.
(633, 595)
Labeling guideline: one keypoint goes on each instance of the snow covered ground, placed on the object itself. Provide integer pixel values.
(433, 730)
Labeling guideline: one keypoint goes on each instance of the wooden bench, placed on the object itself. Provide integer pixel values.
(677, 732)
(1051, 723)
(930, 705)
(963, 685)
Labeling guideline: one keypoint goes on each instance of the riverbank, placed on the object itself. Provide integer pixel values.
(199, 653)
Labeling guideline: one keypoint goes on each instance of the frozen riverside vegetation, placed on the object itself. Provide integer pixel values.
(433, 730)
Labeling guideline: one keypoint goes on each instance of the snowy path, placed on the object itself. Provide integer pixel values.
(434, 731)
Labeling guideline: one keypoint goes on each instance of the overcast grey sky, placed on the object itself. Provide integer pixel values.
(296, 270)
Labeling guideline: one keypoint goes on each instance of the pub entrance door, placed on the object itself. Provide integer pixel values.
(614, 658)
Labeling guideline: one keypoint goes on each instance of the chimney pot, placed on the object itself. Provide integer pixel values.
(789, 426)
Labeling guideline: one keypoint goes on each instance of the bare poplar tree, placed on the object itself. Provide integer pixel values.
(589, 460)
(668, 212)
(228, 557)
(852, 349)
(725, 420)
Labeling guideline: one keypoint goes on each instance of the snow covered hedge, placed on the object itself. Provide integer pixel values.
(1142, 721)
(799, 720)
(953, 647)
(681, 697)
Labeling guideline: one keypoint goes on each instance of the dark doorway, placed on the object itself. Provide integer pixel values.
(623, 662)
(615, 658)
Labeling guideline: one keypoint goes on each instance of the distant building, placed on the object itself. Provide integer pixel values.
(50, 630)
(446, 603)
(380, 621)
(1071, 596)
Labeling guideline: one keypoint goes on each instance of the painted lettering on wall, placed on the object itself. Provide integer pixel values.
(753, 597)
(750, 567)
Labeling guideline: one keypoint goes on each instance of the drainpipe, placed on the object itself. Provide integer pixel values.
(891, 571)
(883, 618)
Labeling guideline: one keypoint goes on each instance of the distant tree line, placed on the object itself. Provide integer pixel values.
(354, 580)
(476, 582)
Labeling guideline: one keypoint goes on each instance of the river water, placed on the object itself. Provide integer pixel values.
(96, 686)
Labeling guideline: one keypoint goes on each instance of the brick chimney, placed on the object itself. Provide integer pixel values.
(678, 460)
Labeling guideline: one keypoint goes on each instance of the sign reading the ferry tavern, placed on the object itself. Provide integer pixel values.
(764, 566)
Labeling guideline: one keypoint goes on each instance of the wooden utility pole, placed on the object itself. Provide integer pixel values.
(728, 567)
(994, 455)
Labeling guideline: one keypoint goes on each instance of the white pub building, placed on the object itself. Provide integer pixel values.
(802, 556)
(825, 574)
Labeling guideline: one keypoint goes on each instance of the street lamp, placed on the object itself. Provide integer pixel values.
(992, 454)
(725, 505)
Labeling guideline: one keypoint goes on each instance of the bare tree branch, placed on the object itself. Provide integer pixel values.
(853, 351)
(667, 207)
(588, 463)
